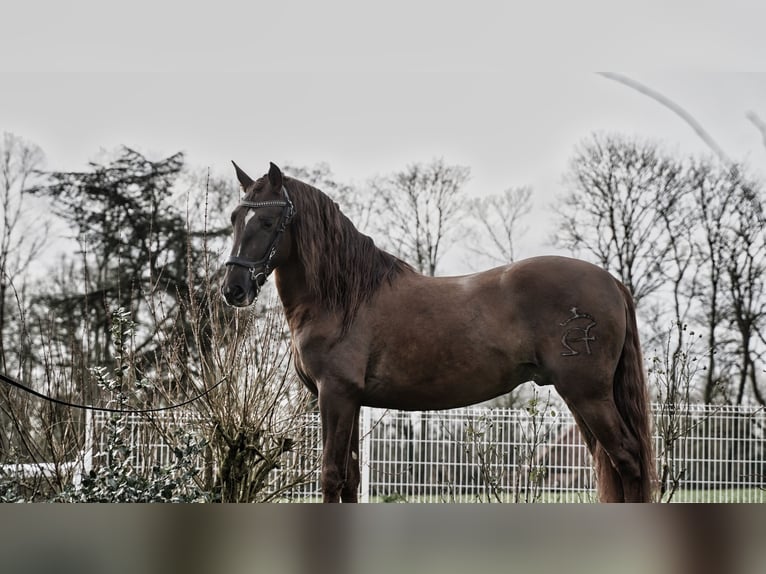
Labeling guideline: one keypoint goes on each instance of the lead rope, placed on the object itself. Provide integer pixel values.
(18, 385)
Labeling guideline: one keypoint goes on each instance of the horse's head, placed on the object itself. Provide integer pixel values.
(261, 225)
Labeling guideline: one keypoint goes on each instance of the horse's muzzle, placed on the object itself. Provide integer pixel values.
(238, 295)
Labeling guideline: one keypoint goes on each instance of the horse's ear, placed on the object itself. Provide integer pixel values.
(275, 176)
(243, 178)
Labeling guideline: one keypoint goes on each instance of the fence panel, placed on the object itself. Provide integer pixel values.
(713, 454)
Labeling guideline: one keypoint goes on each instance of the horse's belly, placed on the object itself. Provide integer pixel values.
(440, 389)
(432, 397)
(461, 364)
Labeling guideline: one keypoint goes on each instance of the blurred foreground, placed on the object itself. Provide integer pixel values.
(371, 539)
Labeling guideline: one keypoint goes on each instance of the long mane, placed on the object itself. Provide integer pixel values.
(344, 267)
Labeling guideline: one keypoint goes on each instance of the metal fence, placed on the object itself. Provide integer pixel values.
(704, 453)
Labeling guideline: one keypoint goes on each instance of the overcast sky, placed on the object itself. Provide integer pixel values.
(505, 91)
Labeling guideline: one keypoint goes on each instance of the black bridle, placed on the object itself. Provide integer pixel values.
(288, 212)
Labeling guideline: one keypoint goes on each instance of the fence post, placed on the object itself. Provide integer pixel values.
(90, 423)
(365, 433)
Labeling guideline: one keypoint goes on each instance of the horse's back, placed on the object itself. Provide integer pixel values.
(556, 274)
(441, 342)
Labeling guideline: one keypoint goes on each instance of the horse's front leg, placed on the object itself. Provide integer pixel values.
(340, 447)
(350, 490)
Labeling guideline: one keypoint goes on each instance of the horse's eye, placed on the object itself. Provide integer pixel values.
(267, 223)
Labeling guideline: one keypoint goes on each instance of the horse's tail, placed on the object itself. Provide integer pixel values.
(631, 395)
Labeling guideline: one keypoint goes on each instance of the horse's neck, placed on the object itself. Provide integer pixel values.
(293, 290)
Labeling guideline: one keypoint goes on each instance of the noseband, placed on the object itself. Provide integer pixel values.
(288, 212)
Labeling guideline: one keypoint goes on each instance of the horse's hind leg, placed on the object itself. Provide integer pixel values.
(587, 435)
(616, 452)
(605, 472)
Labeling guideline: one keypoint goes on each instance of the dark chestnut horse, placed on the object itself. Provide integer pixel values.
(369, 330)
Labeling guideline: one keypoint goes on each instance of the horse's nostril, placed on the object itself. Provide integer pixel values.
(233, 293)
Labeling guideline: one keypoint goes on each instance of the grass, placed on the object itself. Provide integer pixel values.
(722, 495)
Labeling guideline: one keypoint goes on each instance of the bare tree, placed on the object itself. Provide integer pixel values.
(713, 195)
(21, 238)
(619, 193)
(730, 249)
(680, 274)
(745, 256)
(719, 283)
(418, 210)
(498, 219)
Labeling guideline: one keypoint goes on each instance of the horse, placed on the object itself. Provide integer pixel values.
(368, 330)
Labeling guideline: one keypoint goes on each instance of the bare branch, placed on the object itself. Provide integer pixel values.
(733, 168)
(758, 123)
(672, 106)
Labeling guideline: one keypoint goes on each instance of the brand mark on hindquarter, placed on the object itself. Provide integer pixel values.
(577, 333)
